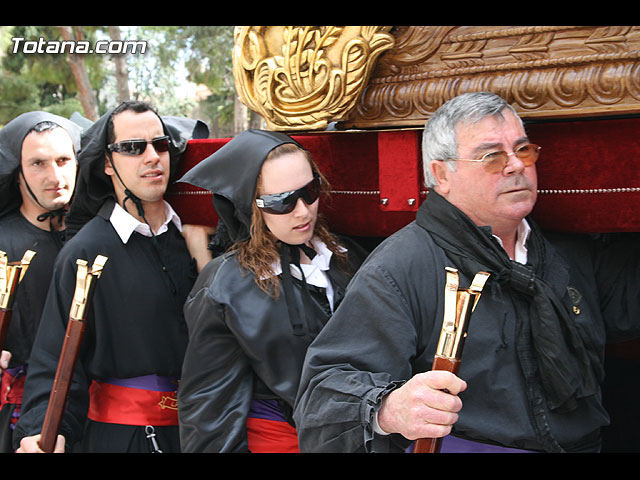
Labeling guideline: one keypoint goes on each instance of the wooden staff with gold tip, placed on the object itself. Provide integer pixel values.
(85, 285)
(458, 307)
(11, 274)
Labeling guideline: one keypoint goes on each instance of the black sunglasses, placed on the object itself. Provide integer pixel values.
(281, 203)
(138, 146)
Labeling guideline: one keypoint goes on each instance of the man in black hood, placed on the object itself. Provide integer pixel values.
(123, 395)
(37, 179)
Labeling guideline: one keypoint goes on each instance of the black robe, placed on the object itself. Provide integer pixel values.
(135, 327)
(242, 347)
(387, 328)
(17, 235)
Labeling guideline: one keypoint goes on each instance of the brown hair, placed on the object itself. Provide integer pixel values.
(258, 254)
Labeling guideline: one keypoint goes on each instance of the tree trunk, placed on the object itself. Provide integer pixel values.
(122, 74)
(256, 121)
(76, 62)
(240, 117)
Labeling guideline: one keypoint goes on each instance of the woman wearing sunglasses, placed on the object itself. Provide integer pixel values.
(254, 310)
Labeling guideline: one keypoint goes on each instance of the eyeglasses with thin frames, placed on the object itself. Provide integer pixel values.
(495, 162)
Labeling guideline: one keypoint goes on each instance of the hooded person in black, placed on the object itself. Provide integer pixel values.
(37, 179)
(254, 310)
(95, 186)
(122, 398)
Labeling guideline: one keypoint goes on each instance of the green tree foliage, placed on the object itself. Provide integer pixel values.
(38, 81)
(205, 52)
(174, 54)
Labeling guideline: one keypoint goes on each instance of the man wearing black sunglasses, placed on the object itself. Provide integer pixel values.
(530, 375)
(37, 179)
(127, 375)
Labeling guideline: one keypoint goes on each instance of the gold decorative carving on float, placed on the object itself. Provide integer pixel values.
(303, 77)
(544, 72)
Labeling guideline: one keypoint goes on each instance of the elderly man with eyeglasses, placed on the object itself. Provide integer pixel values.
(533, 357)
(123, 395)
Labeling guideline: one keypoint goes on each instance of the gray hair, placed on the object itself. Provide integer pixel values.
(439, 140)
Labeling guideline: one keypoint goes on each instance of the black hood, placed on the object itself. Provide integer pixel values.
(94, 186)
(231, 173)
(11, 137)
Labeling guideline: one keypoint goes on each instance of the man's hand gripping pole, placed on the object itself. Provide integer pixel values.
(458, 307)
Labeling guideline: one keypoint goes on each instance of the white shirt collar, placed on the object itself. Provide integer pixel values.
(522, 235)
(319, 263)
(315, 273)
(125, 224)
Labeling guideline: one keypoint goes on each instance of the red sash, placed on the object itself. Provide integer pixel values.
(11, 390)
(110, 403)
(271, 436)
(268, 430)
(12, 387)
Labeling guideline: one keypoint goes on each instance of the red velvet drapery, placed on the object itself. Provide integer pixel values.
(589, 177)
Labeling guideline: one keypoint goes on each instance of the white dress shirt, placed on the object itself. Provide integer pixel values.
(522, 235)
(125, 224)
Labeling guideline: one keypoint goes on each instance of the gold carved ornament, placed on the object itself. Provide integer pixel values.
(542, 71)
(304, 77)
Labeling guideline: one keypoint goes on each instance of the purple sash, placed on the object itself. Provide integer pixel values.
(451, 444)
(267, 410)
(155, 383)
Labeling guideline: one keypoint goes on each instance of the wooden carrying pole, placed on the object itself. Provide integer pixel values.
(11, 274)
(458, 306)
(85, 284)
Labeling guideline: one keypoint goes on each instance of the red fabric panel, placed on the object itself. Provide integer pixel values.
(591, 158)
(587, 156)
(194, 204)
(350, 162)
(400, 175)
